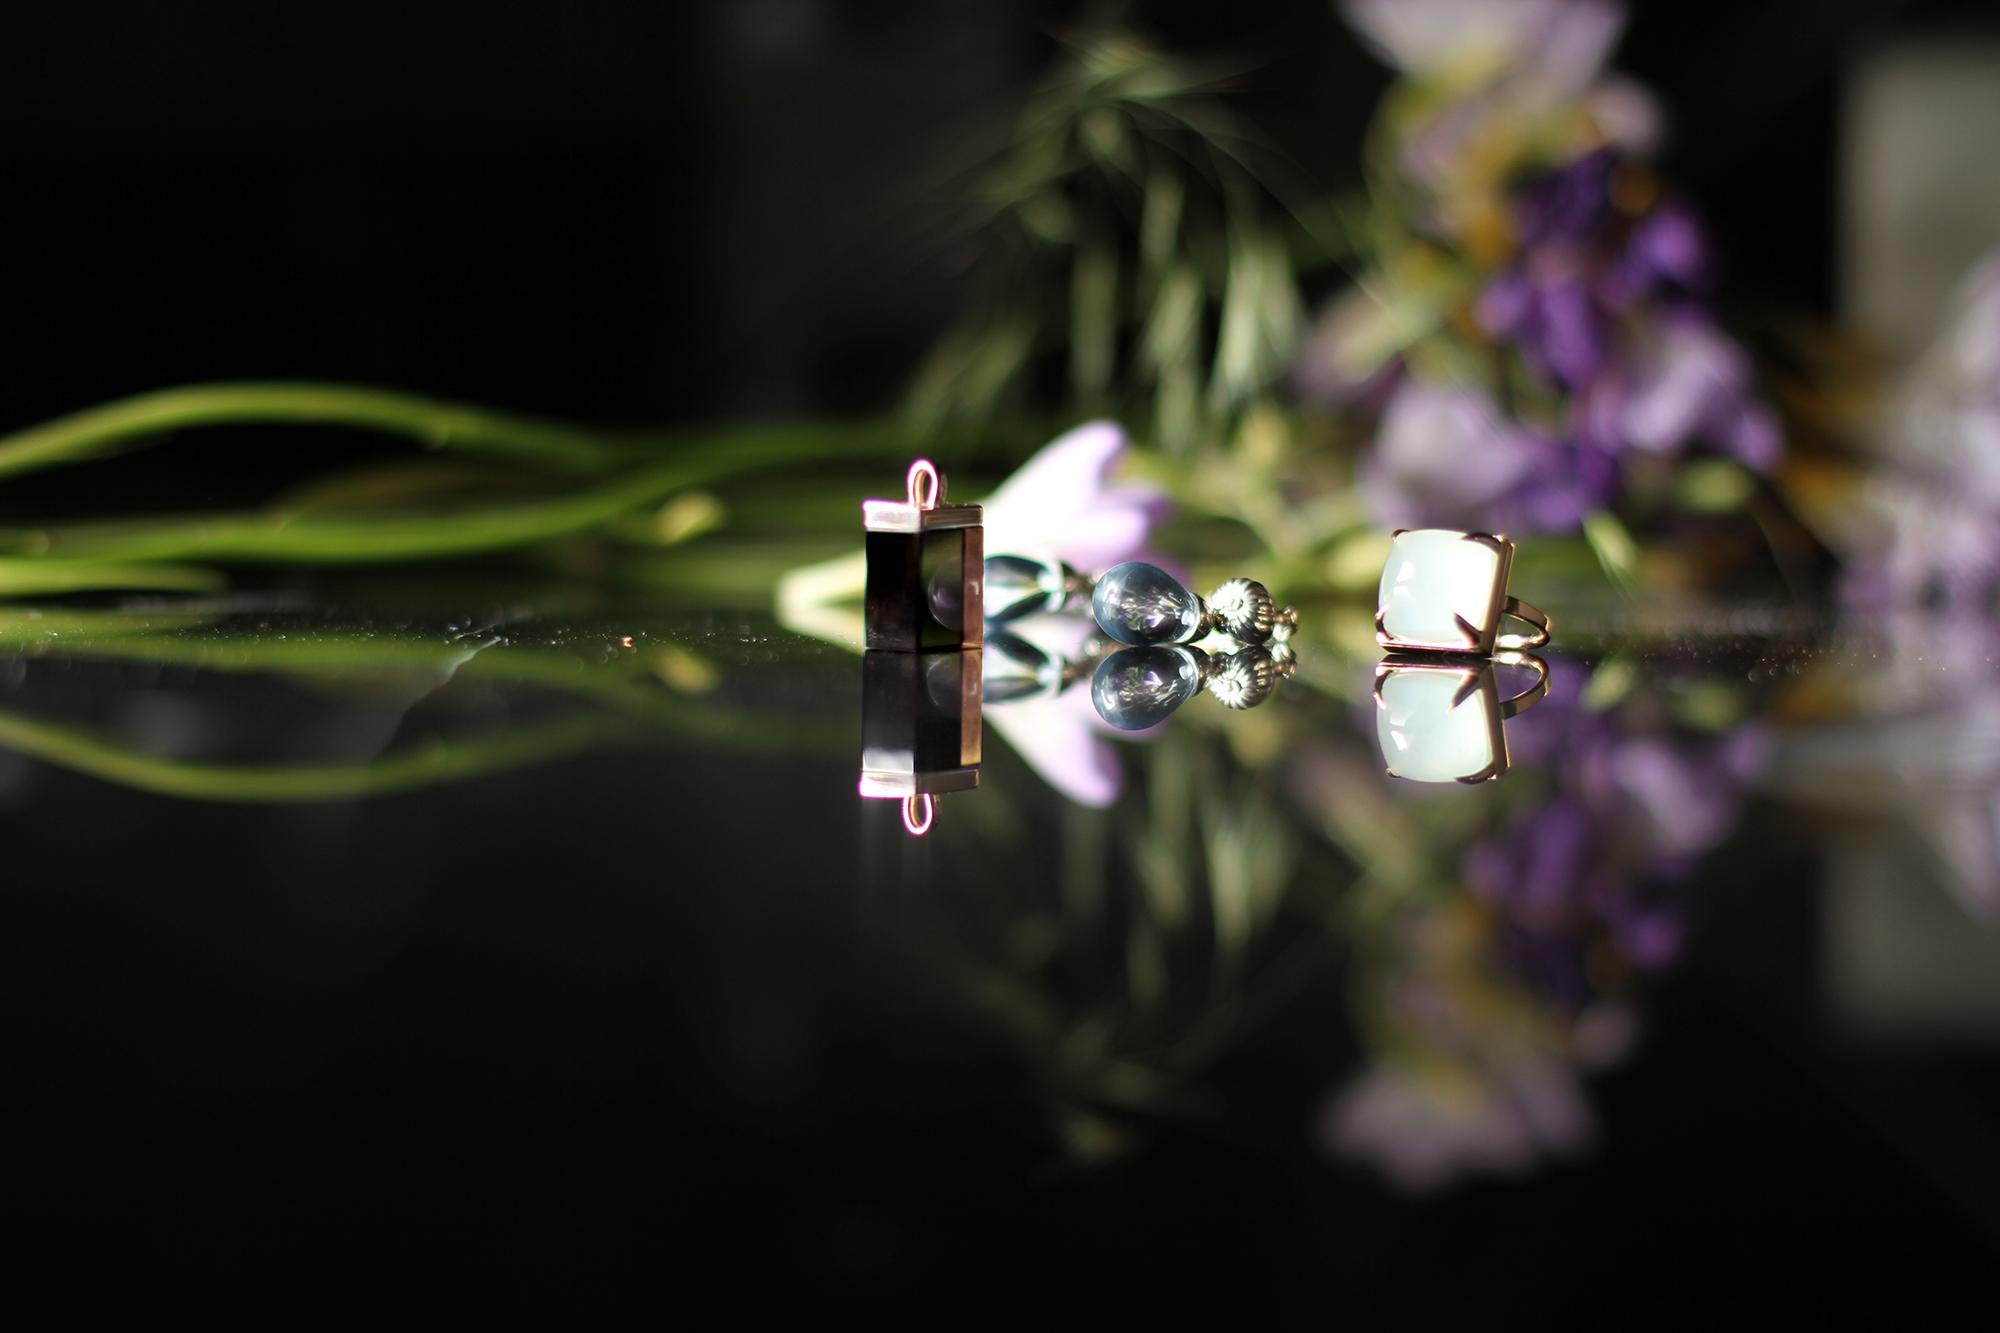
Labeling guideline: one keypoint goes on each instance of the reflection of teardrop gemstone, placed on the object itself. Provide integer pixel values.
(1017, 586)
(1018, 669)
(1139, 603)
(1136, 688)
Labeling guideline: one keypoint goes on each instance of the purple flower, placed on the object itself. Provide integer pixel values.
(1608, 855)
(1063, 503)
(1568, 209)
(1544, 866)
(1063, 739)
(1688, 796)
(1525, 162)
(1604, 309)
(1666, 252)
(1579, 268)
(1682, 383)
(1443, 452)
(1059, 734)
(1446, 456)
(1546, 308)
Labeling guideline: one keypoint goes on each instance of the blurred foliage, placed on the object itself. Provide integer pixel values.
(606, 690)
(1128, 229)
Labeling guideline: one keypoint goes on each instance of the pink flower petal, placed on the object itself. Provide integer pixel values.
(1062, 747)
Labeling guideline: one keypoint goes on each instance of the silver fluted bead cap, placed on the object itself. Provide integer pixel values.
(1244, 610)
(1243, 679)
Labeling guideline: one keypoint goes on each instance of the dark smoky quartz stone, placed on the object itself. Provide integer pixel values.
(917, 589)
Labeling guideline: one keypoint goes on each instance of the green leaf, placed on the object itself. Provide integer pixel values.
(1614, 548)
(1093, 318)
(1160, 222)
(280, 537)
(1609, 684)
(432, 422)
(32, 577)
(1173, 328)
(1714, 486)
(435, 762)
(1711, 706)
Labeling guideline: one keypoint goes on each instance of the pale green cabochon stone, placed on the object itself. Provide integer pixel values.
(1432, 576)
(1424, 738)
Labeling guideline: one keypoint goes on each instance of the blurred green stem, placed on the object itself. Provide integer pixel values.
(43, 578)
(637, 698)
(314, 538)
(645, 470)
(437, 424)
(441, 761)
(440, 424)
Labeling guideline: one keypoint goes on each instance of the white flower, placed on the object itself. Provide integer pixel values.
(1557, 47)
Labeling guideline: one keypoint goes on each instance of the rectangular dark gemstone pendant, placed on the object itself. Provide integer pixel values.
(926, 569)
(920, 722)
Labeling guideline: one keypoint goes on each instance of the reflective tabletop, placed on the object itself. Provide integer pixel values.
(572, 929)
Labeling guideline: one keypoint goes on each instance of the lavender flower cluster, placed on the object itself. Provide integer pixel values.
(1569, 338)
(1601, 867)
(1491, 1007)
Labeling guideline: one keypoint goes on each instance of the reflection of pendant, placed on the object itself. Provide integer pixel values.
(920, 729)
(1438, 719)
(1137, 688)
(1019, 668)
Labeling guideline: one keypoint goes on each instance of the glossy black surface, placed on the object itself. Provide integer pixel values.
(613, 982)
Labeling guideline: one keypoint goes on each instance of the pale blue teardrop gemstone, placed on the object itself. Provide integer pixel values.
(1136, 688)
(1139, 603)
(1018, 586)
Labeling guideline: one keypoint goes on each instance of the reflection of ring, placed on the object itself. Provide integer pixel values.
(1535, 693)
(1438, 715)
(1521, 611)
(1446, 592)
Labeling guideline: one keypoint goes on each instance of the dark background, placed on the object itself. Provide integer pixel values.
(651, 212)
